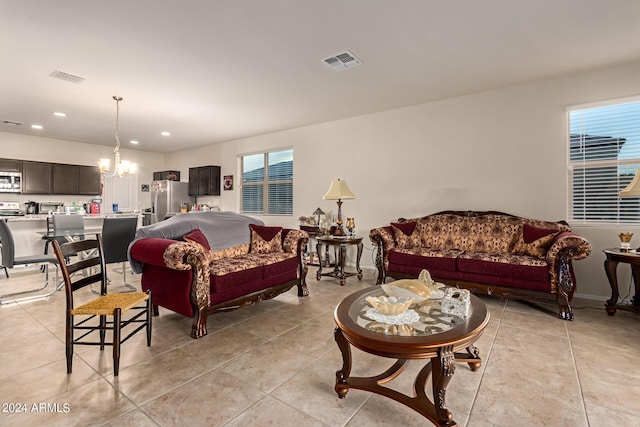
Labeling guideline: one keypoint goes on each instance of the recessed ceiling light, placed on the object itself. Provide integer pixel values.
(59, 114)
(36, 126)
(133, 141)
(165, 133)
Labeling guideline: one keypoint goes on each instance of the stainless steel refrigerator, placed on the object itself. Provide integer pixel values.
(167, 197)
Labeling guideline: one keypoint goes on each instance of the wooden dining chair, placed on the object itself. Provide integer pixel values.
(112, 306)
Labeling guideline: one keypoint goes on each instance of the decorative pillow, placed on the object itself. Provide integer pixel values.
(535, 241)
(404, 235)
(196, 236)
(265, 240)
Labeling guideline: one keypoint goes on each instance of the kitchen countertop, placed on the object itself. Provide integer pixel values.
(43, 217)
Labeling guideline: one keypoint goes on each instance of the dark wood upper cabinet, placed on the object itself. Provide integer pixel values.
(204, 181)
(89, 180)
(36, 177)
(57, 178)
(10, 165)
(65, 179)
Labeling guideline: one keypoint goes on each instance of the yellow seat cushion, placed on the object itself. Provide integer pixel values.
(106, 304)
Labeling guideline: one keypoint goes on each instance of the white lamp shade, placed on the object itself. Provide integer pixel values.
(104, 164)
(633, 189)
(339, 190)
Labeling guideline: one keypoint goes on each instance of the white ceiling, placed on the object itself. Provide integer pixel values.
(212, 71)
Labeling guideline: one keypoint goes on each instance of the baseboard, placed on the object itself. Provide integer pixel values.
(590, 297)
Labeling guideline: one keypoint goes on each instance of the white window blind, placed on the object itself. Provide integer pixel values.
(267, 183)
(604, 153)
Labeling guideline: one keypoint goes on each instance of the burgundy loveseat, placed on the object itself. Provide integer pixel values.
(486, 252)
(214, 261)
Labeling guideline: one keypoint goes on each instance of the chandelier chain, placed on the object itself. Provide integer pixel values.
(122, 168)
(118, 99)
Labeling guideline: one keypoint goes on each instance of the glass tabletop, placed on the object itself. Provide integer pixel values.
(420, 319)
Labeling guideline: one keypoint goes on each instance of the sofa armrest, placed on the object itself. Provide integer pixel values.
(293, 240)
(566, 247)
(165, 252)
(178, 255)
(383, 236)
(575, 246)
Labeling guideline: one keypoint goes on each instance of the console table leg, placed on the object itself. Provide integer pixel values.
(359, 255)
(610, 268)
(320, 259)
(343, 259)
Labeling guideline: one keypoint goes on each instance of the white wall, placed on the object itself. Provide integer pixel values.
(503, 150)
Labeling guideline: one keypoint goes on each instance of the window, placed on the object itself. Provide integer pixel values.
(267, 183)
(604, 153)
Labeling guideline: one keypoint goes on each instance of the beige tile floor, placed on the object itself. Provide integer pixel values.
(274, 364)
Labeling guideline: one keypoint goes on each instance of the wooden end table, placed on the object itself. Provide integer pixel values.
(341, 244)
(435, 337)
(614, 257)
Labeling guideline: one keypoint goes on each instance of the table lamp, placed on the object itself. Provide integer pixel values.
(631, 190)
(339, 190)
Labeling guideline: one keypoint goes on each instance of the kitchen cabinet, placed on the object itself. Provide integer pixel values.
(170, 175)
(36, 178)
(58, 178)
(76, 179)
(204, 181)
(89, 180)
(10, 165)
(65, 179)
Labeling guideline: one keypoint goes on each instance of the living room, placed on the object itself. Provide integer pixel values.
(500, 146)
(399, 162)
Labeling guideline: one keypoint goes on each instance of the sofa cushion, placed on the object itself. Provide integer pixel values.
(405, 235)
(504, 265)
(235, 284)
(425, 258)
(232, 272)
(196, 236)
(265, 239)
(487, 233)
(534, 241)
(232, 252)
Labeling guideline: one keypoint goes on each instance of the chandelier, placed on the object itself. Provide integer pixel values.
(122, 168)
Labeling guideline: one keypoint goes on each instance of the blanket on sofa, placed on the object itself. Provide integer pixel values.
(222, 229)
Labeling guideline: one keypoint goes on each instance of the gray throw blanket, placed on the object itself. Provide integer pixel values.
(222, 230)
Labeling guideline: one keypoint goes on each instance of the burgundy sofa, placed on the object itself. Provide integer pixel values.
(491, 252)
(188, 277)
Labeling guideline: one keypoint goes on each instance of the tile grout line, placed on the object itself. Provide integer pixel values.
(486, 365)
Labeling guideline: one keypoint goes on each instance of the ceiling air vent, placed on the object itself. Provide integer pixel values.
(68, 77)
(11, 122)
(342, 61)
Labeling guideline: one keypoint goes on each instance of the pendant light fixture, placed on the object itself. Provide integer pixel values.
(122, 168)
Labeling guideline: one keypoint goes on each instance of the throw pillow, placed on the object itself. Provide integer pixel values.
(196, 236)
(404, 235)
(535, 241)
(265, 240)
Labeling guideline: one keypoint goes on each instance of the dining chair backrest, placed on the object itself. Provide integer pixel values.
(117, 233)
(8, 245)
(68, 224)
(93, 264)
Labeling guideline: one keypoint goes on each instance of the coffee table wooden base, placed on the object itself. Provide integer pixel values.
(441, 368)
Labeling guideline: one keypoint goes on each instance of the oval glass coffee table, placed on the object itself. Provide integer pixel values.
(437, 337)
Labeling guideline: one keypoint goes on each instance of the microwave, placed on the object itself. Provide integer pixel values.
(10, 182)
